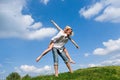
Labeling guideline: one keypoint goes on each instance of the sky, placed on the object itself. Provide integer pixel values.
(26, 30)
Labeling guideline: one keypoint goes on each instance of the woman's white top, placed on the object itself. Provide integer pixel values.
(60, 40)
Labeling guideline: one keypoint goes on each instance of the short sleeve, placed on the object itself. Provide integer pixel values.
(57, 36)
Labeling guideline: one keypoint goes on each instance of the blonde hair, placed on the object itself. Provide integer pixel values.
(68, 27)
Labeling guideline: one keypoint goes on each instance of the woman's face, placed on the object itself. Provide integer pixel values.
(68, 32)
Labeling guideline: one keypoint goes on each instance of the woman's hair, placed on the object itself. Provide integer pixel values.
(67, 28)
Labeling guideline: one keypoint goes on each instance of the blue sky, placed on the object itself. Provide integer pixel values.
(26, 30)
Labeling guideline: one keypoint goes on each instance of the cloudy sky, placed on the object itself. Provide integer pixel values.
(26, 30)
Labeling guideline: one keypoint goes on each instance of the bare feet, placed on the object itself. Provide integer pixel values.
(71, 72)
(56, 75)
(71, 61)
(38, 58)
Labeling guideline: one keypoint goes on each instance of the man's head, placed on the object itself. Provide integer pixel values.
(68, 30)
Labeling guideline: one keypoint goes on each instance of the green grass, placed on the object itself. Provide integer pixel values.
(94, 73)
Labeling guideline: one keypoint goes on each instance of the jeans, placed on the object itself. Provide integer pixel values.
(57, 52)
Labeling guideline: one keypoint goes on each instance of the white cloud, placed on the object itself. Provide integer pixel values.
(113, 60)
(15, 24)
(110, 47)
(36, 25)
(17, 70)
(104, 10)
(86, 54)
(92, 65)
(115, 57)
(44, 1)
(110, 14)
(91, 11)
(39, 34)
(33, 69)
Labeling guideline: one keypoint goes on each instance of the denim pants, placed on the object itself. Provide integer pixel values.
(57, 52)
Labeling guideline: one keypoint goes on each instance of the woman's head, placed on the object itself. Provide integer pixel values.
(68, 30)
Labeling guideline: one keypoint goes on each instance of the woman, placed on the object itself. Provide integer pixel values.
(57, 46)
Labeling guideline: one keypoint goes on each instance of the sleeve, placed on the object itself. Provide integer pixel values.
(56, 37)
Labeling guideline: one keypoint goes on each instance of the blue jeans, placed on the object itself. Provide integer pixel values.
(57, 52)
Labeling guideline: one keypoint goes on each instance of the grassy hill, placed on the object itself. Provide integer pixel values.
(94, 73)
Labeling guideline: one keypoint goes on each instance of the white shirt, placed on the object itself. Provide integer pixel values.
(60, 40)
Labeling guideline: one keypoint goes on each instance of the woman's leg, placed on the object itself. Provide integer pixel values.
(55, 58)
(45, 52)
(69, 67)
(56, 70)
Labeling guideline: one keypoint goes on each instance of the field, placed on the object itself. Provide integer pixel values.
(94, 73)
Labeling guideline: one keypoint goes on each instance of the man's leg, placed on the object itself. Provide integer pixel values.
(69, 67)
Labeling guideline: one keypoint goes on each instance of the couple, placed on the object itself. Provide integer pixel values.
(57, 46)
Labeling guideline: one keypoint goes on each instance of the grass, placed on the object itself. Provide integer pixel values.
(94, 73)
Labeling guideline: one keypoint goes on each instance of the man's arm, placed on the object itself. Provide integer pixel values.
(62, 30)
(56, 37)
